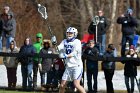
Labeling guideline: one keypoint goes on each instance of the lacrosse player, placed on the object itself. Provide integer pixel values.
(70, 50)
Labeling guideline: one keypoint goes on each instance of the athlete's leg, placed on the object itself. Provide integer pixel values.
(78, 86)
(62, 86)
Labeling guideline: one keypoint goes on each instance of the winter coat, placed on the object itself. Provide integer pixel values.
(107, 64)
(94, 53)
(38, 46)
(46, 62)
(9, 26)
(1, 30)
(26, 51)
(11, 62)
(130, 69)
(128, 24)
(103, 25)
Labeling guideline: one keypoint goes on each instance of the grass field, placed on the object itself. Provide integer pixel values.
(8, 91)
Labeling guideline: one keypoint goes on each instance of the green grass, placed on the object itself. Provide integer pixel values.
(8, 91)
(101, 91)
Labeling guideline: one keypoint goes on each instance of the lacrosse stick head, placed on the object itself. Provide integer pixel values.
(42, 11)
(96, 20)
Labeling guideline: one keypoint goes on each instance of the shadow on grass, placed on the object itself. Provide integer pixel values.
(20, 90)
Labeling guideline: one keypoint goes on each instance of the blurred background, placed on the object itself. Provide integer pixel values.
(65, 13)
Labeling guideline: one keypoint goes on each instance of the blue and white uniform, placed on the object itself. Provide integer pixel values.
(74, 65)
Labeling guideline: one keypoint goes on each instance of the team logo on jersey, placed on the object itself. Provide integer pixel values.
(68, 48)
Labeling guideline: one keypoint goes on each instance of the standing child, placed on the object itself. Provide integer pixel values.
(130, 69)
(11, 65)
(71, 50)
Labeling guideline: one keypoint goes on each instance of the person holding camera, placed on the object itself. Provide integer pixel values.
(128, 23)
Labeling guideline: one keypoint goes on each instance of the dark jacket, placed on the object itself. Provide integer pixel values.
(128, 24)
(103, 25)
(9, 26)
(46, 62)
(130, 69)
(94, 53)
(1, 30)
(108, 64)
(25, 52)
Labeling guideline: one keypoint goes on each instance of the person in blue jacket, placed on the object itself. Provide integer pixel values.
(26, 61)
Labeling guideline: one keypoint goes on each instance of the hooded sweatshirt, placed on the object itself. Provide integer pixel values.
(26, 50)
(11, 62)
(38, 46)
(9, 26)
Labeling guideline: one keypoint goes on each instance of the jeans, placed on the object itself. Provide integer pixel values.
(35, 70)
(27, 74)
(126, 38)
(92, 72)
(48, 78)
(11, 75)
(127, 83)
(57, 77)
(8, 41)
(0, 43)
(108, 76)
(102, 43)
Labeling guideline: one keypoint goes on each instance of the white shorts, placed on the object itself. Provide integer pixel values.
(72, 73)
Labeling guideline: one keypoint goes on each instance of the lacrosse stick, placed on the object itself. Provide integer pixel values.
(96, 22)
(43, 12)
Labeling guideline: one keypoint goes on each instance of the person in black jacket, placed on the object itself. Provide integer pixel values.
(128, 23)
(91, 66)
(109, 67)
(102, 26)
(26, 63)
(130, 69)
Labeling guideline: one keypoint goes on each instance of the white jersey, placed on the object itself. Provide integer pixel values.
(74, 48)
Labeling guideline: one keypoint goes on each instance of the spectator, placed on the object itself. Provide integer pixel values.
(109, 67)
(11, 65)
(9, 27)
(46, 64)
(92, 66)
(26, 63)
(71, 50)
(1, 31)
(102, 25)
(38, 46)
(58, 72)
(130, 69)
(128, 23)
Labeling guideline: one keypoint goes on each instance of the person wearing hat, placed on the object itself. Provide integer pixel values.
(46, 64)
(38, 46)
(109, 67)
(130, 69)
(128, 23)
(91, 66)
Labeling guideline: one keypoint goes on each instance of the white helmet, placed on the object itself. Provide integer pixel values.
(72, 30)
